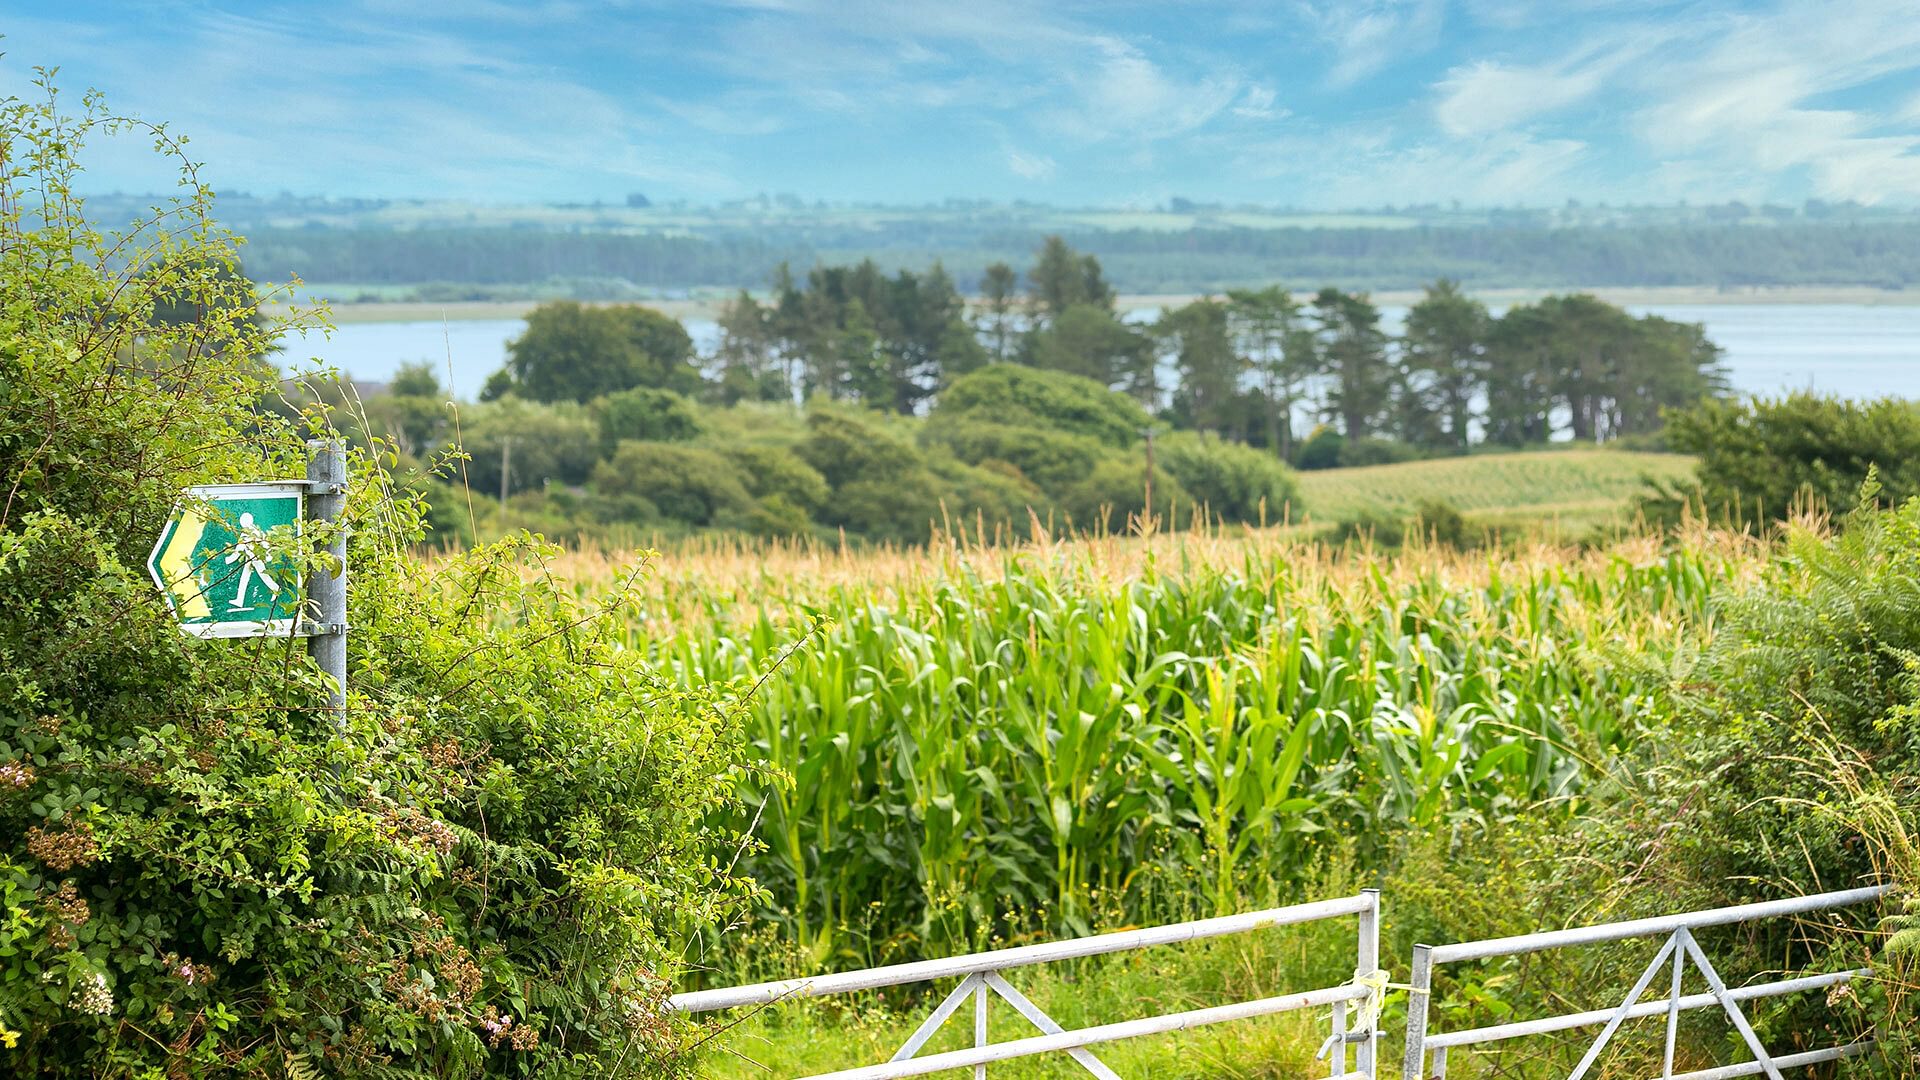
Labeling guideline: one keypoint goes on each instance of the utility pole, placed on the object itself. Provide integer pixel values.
(327, 589)
(1146, 516)
(506, 464)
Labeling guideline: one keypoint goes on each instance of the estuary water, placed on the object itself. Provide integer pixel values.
(1853, 350)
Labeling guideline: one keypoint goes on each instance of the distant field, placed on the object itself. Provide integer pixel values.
(1567, 491)
(1165, 221)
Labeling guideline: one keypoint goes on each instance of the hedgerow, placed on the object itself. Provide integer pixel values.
(480, 868)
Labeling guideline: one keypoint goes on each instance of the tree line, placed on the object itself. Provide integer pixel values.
(590, 263)
(1251, 366)
(1035, 401)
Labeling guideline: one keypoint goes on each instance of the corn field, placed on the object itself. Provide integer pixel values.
(971, 743)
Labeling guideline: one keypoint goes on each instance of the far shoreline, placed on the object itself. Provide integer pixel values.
(1649, 295)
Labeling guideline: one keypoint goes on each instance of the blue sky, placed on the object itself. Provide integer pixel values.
(1330, 105)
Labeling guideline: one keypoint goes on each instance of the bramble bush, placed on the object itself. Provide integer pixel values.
(481, 868)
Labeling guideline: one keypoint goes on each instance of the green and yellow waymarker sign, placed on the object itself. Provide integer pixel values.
(225, 562)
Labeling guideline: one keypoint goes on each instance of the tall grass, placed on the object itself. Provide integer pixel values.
(982, 742)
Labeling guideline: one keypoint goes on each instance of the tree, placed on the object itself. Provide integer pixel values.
(1061, 278)
(1051, 401)
(1233, 482)
(1353, 353)
(1202, 347)
(1088, 341)
(862, 366)
(884, 341)
(1520, 363)
(412, 413)
(1280, 352)
(749, 363)
(570, 352)
(536, 443)
(1444, 352)
(998, 287)
(647, 414)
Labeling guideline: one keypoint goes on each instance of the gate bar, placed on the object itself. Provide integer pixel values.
(1125, 1029)
(1023, 956)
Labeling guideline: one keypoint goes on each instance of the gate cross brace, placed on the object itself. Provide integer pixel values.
(1681, 947)
(977, 986)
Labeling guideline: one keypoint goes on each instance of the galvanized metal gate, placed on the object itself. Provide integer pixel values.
(1680, 949)
(981, 981)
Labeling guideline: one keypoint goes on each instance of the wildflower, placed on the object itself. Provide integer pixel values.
(92, 996)
(16, 776)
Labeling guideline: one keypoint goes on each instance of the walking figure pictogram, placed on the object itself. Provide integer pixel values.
(251, 546)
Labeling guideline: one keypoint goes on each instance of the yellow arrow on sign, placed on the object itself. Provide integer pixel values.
(176, 565)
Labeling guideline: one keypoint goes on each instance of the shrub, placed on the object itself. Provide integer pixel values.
(1048, 400)
(1374, 451)
(846, 447)
(1438, 521)
(773, 516)
(1758, 457)
(1115, 493)
(1052, 460)
(475, 870)
(1320, 450)
(648, 414)
(1792, 765)
(685, 483)
(1232, 481)
(539, 444)
(993, 496)
(1368, 527)
(780, 472)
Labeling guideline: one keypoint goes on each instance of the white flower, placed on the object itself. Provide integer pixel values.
(92, 996)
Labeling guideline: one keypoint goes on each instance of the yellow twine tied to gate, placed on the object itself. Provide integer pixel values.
(1366, 1013)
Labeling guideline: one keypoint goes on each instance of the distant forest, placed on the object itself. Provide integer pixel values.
(486, 262)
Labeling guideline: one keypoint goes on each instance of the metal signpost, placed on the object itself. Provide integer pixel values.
(226, 562)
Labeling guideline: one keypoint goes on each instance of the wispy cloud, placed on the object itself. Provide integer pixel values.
(1367, 37)
(1759, 100)
(1310, 102)
(1031, 166)
(1486, 95)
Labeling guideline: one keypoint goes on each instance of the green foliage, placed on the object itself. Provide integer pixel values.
(1048, 400)
(415, 380)
(538, 444)
(1113, 496)
(846, 448)
(649, 414)
(1231, 481)
(1368, 528)
(1759, 460)
(1090, 342)
(1355, 453)
(1201, 341)
(1053, 460)
(1791, 764)
(770, 472)
(1322, 449)
(478, 869)
(1437, 521)
(1037, 742)
(572, 352)
(1063, 278)
(687, 483)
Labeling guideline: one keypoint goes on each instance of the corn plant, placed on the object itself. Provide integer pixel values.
(986, 743)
